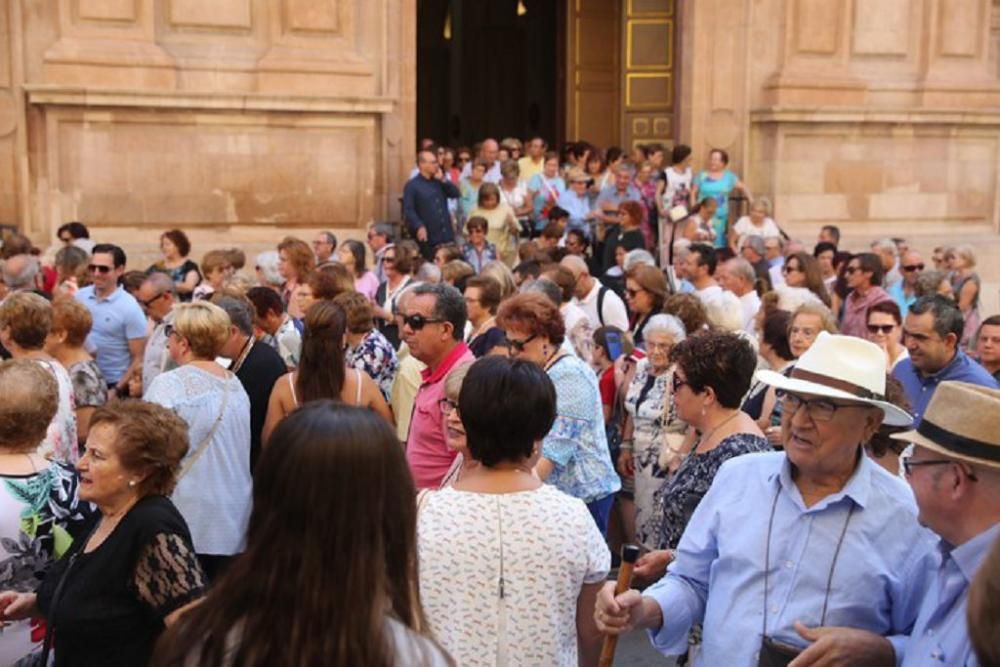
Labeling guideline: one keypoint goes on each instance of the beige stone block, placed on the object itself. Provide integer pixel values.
(184, 209)
(853, 177)
(815, 207)
(109, 208)
(913, 205)
(976, 150)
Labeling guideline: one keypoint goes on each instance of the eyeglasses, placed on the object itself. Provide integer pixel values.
(852, 269)
(519, 345)
(633, 292)
(676, 383)
(787, 268)
(418, 321)
(389, 259)
(447, 406)
(913, 267)
(909, 464)
(148, 302)
(99, 268)
(66, 239)
(881, 328)
(818, 409)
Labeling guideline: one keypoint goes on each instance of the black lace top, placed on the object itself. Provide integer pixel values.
(678, 498)
(112, 606)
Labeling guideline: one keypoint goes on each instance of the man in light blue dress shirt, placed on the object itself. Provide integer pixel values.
(955, 474)
(814, 549)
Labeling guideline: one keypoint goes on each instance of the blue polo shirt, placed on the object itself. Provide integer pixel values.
(117, 320)
(919, 387)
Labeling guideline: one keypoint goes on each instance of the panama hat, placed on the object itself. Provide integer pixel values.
(960, 421)
(576, 174)
(843, 367)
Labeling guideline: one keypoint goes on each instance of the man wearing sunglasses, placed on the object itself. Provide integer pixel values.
(814, 551)
(864, 276)
(157, 296)
(119, 330)
(432, 323)
(911, 265)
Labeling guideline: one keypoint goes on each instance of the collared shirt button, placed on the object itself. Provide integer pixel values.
(774, 610)
(789, 564)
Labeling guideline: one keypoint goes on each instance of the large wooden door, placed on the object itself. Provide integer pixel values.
(649, 72)
(593, 81)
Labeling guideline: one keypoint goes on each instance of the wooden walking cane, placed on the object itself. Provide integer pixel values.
(630, 553)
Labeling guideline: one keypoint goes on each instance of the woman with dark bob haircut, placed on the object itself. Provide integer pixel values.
(109, 598)
(712, 373)
(575, 457)
(499, 546)
(176, 247)
(329, 575)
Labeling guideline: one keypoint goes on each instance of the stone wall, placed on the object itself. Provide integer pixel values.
(235, 119)
(876, 115)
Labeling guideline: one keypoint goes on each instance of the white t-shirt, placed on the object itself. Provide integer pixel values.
(613, 308)
(745, 227)
(676, 182)
(709, 293)
(541, 546)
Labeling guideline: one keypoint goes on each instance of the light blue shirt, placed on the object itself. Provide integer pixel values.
(899, 296)
(578, 207)
(717, 578)
(117, 320)
(940, 636)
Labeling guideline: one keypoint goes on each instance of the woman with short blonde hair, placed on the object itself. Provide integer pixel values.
(213, 491)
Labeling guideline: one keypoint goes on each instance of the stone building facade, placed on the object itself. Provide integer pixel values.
(244, 119)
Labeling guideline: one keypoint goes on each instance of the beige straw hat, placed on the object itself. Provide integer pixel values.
(961, 421)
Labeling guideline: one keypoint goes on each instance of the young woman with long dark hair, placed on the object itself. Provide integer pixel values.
(322, 373)
(340, 590)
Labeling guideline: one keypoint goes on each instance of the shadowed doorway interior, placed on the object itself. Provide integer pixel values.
(489, 68)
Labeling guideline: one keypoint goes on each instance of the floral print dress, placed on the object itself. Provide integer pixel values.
(37, 514)
(374, 355)
(60, 442)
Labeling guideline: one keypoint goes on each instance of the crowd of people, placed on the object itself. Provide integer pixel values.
(427, 447)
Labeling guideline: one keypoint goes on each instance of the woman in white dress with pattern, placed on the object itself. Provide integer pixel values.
(214, 486)
(25, 323)
(509, 566)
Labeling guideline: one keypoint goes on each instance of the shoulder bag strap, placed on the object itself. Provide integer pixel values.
(203, 445)
(600, 302)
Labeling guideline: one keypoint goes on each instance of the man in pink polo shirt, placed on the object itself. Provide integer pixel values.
(433, 325)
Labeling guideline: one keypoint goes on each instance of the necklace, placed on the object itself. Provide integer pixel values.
(243, 355)
(706, 436)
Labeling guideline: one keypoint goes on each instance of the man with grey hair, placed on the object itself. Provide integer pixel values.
(599, 302)
(20, 273)
(488, 153)
(380, 237)
(257, 366)
(324, 245)
(774, 253)
(887, 253)
(753, 251)
(737, 276)
(433, 326)
(157, 295)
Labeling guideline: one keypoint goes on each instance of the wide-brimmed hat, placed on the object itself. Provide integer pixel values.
(843, 367)
(960, 421)
(576, 174)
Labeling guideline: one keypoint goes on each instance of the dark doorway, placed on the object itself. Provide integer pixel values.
(494, 74)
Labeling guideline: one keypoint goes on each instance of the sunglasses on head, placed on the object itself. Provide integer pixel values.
(99, 268)
(418, 321)
(519, 345)
(881, 328)
(913, 267)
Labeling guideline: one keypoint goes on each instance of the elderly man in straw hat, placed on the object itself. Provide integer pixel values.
(785, 542)
(955, 474)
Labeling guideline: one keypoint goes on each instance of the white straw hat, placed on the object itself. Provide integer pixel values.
(843, 367)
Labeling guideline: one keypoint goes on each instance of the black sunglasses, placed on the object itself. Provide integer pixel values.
(417, 322)
(99, 268)
(152, 300)
(519, 345)
(884, 328)
(676, 383)
(913, 267)
(852, 269)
